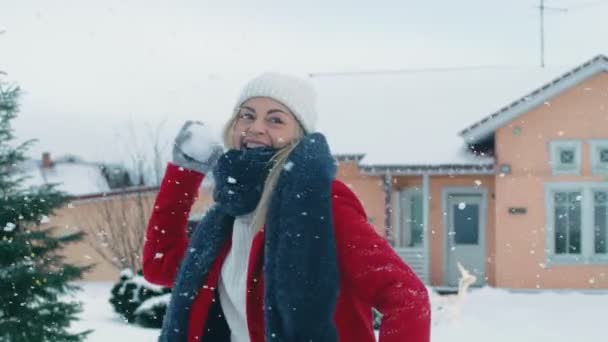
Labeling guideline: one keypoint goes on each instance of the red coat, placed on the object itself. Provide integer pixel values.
(371, 273)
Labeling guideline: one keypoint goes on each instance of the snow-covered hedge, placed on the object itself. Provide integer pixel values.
(139, 301)
(151, 312)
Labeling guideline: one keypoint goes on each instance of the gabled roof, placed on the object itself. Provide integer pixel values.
(491, 123)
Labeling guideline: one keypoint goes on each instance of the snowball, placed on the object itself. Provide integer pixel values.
(9, 227)
(201, 142)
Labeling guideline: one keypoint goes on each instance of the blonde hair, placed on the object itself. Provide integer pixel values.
(279, 159)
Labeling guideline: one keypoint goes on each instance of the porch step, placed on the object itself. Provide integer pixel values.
(415, 258)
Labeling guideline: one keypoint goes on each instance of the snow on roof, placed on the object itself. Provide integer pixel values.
(75, 178)
(414, 117)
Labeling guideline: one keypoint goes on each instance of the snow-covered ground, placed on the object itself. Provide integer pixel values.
(487, 315)
(99, 316)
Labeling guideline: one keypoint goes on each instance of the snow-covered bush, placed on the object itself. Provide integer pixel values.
(139, 301)
(151, 312)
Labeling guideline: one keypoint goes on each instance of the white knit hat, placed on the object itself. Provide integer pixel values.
(295, 93)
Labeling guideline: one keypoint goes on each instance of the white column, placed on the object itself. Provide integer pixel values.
(426, 235)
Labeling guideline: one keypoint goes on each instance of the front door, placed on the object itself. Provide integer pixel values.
(465, 228)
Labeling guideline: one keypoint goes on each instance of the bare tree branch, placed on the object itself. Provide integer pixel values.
(116, 227)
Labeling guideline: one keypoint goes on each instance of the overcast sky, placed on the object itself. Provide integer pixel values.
(90, 67)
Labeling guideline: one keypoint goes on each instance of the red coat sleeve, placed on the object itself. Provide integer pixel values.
(376, 274)
(166, 239)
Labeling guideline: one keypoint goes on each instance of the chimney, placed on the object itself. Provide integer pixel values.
(47, 163)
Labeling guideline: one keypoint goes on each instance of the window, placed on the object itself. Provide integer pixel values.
(466, 224)
(600, 220)
(567, 218)
(599, 156)
(565, 157)
(577, 218)
(410, 233)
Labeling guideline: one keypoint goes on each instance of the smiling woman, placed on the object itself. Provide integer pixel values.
(286, 253)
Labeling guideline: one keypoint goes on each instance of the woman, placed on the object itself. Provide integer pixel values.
(286, 252)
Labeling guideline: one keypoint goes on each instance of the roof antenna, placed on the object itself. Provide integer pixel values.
(542, 8)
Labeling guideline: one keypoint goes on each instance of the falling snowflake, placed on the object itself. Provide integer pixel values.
(158, 255)
(462, 205)
(44, 219)
(231, 180)
(288, 166)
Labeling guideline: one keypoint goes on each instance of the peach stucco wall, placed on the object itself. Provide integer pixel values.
(580, 113)
(369, 190)
(85, 215)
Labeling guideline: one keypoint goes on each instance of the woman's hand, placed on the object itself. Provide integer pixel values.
(195, 147)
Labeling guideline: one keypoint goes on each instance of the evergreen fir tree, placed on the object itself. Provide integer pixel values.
(35, 281)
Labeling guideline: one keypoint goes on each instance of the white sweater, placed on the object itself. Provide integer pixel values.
(233, 279)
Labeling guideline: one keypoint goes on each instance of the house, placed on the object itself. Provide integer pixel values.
(477, 166)
(501, 169)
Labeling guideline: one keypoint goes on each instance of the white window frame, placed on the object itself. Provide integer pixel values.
(596, 147)
(556, 146)
(587, 255)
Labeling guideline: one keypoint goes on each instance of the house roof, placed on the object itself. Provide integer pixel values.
(73, 176)
(537, 97)
(412, 117)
